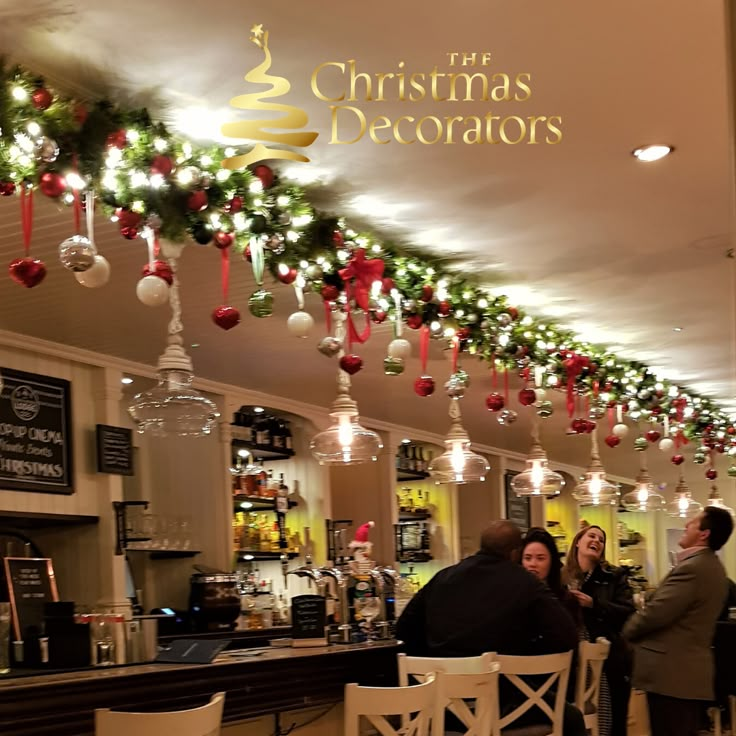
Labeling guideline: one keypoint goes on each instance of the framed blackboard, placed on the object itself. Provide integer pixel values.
(31, 584)
(516, 508)
(35, 433)
(308, 617)
(114, 450)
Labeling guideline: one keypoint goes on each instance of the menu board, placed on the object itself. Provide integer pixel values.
(517, 508)
(35, 433)
(31, 584)
(114, 450)
(308, 617)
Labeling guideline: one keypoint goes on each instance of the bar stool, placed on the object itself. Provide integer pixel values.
(588, 686)
(204, 721)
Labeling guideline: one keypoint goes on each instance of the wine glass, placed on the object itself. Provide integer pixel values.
(369, 610)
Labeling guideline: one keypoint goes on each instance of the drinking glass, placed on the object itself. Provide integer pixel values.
(368, 609)
(4, 638)
(103, 648)
(573, 585)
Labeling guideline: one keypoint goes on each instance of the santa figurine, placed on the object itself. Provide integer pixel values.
(362, 548)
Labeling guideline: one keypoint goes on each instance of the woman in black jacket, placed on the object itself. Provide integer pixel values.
(606, 601)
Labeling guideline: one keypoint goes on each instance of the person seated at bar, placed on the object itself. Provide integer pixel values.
(489, 603)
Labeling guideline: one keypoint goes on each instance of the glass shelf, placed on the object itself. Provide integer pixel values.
(247, 555)
(403, 475)
(258, 503)
(414, 515)
(165, 554)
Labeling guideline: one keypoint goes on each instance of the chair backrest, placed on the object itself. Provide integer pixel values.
(590, 666)
(556, 667)
(454, 690)
(204, 721)
(375, 703)
(416, 668)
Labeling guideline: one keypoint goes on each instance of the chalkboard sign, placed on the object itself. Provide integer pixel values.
(31, 584)
(517, 508)
(308, 617)
(35, 433)
(114, 450)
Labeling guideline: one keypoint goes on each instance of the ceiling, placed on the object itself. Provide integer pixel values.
(621, 251)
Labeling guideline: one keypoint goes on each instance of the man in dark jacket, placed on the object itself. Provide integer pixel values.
(489, 603)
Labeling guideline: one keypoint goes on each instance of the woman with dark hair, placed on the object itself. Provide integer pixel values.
(540, 557)
(606, 602)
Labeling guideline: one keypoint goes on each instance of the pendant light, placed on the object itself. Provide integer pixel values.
(173, 407)
(537, 479)
(683, 505)
(715, 499)
(458, 463)
(594, 489)
(644, 497)
(345, 441)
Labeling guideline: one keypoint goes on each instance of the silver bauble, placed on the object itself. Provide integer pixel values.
(644, 394)
(409, 305)
(205, 180)
(699, 458)
(455, 388)
(463, 377)
(471, 319)
(597, 410)
(284, 218)
(154, 221)
(46, 149)
(641, 444)
(77, 253)
(504, 319)
(507, 416)
(393, 366)
(276, 244)
(545, 409)
(314, 272)
(329, 346)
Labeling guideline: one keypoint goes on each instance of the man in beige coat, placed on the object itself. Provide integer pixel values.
(673, 634)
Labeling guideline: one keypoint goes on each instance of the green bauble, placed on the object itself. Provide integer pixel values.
(732, 471)
(393, 366)
(463, 377)
(699, 458)
(545, 409)
(261, 303)
(641, 444)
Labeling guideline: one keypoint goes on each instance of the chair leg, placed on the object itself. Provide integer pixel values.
(715, 714)
(732, 712)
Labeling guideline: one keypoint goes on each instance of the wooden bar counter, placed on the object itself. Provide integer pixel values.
(257, 682)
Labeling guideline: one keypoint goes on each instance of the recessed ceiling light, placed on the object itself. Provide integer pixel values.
(647, 154)
(258, 409)
(406, 441)
(126, 380)
(194, 345)
(677, 329)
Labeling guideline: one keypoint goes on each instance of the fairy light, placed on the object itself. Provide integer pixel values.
(301, 220)
(303, 264)
(132, 135)
(160, 145)
(229, 152)
(205, 160)
(482, 303)
(185, 176)
(157, 181)
(282, 200)
(110, 180)
(239, 221)
(186, 149)
(216, 220)
(258, 202)
(138, 179)
(74, 180)
(68, 198)
(292, 236)
(526, 321)
(376, 248)
(255, 187)
(222, 175)
(430, 271)
(33, 128)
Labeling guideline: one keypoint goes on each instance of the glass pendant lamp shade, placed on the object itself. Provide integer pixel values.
(537, 479)
(644, 497)
(683, 505)
(715, 499)
(594, 489)
(458, 463)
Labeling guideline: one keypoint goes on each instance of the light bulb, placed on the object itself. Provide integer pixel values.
(537, 474)
(595, 484)
(642, 494)
(345, 431)
(458, 457)
(683, 503)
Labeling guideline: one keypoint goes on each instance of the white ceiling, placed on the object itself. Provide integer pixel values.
(621, 251)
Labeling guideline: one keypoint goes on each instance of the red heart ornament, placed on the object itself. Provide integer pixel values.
(226, 317)
(652, 435)
(414, 321)
(494, 402)
(612, 440)
(28, 272)
(424, 386)
(527, 396)
(351, 364)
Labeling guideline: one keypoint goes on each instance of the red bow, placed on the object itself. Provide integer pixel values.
(359, 275)
(573, 365)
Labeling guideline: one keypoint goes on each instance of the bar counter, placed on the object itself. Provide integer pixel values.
(257, 682)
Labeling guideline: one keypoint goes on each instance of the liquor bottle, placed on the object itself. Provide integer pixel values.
(421, 464)
(262, 431)
(246, 424)
(403, 458)
(282, 496)
(412, 459)
(288, 439)
(278, 438)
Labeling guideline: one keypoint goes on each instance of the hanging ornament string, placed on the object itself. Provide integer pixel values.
(77, 207)
(89, 211)
(455, 353)
(225, 273)
(26, 216)
(573, 365)
(258, 260)
(611, 412)
(619, 414)
(424, 348)
(398, 324)
(151, 242)
(666, 426)
(299, 293)
(506, 386)
(494, 375)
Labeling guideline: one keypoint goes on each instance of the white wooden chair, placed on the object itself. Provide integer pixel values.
(514, 669)
(454, 690)
(588, 685)
(375, 703)
(204, 721)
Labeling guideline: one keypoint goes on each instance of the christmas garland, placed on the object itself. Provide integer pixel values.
(155, 184)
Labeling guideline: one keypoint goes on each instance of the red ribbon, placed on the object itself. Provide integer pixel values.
(611, 414)
(26, 216)
(525, 376)
(424, 347)
(157, 247)
(494, 374)
(506, 386)
(328, 316)
(455, 351)
(359, 275)
(225, 268)
(77, 202)
(573, 365)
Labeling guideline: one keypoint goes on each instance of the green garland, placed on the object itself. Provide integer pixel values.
(118, 153)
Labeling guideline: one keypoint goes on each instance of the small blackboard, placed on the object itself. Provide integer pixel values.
(31, 584)
(517, 508)
(114, 450)
(308, 617)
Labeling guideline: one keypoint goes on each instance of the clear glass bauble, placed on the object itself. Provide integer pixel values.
(77, 253)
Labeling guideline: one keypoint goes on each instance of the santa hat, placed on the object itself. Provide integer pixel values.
(361, 536)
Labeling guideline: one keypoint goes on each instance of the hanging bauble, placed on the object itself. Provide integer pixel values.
(409, 305)
(494, 402)
(414, 321)
(463, 376)
(314, 272)
(644, 394)
(731, 471)
(162, 165)
(579, 425)
(351, 364)
(52, 184)
(129, 233)
(258, 224)
(160, 269)
(127, 218)
(329, 346)
(463, 333)
(620, 430)
(261, 303)
(202, 233)
(427, 293)
(597, 409)
(80, 113)
(41, 98)
(641, 444)
(329, 292)
(286, 275)
(507, 417)
(540, 395)
(337, 239)
(436, 330)
(197, 201)
(444, 308)
(265, 174)
(96, 276)
(226, 317)
(666, 444)
(455, 388)
(118, 139)
(711, 474)
(399, 348)
(504, 319)
(234, 205)
(652, 435)
(276, 243)
(527, 396)
(545, 409)
(46, 149)
(387, 285)
(424, 386)
(28, 272)
(612, 441)
(77, 253)
(152, 291)
(702, 450)
(284, 218)
(378, 316)
(393, 366)
(699, 458)
(7, 188)
(223, 240)
(589, 426)
(471, 319)
(677, 459)
(300, 323)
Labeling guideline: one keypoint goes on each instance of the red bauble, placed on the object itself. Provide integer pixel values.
(52, 184)
(513, 312)
(652, 435)
(160, 269)
(711, 474)
(579, 426)
(444, 308)
(414, 321)
(731, 430)
(289, 277)
(197, 201)
(463, 333)
(129, 233)
(612, 440)
(677, 459)
(41, 98)
(424, 386)
(28, 272)
(378, 316)
(427, 293)
(247, 255)
(589, 426)
(387, 285)
(337, 239)
(330, 292)
(118, 139)
(265, 174)
(163, 165)
(351, 364)
(7, 188)
(223, 240)
(234, 205)
(80, 114)
(226, 317)
(494, 402)
(127, 218)
(527, 396)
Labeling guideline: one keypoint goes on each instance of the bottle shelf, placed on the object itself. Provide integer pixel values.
(165, 554)
(414, 515)
(403, 475)
(261, 452)
(258, 503)
(248, 555)
(408, 556)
